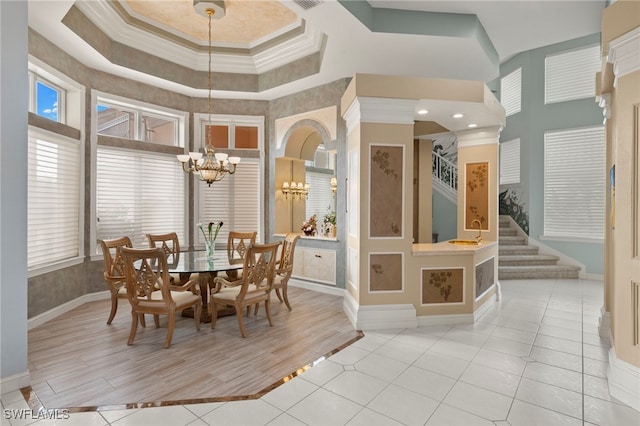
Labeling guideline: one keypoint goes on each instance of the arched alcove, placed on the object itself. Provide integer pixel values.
(305, 141)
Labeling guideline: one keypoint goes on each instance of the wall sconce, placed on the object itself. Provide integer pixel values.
(297, 190)
(334, 184)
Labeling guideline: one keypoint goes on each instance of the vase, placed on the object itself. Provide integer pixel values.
(334, 231)
(210, 246)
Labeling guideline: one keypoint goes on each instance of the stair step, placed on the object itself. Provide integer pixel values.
(504, 222)
(507, 231)
(537, 272)
(511, 240)
(526, 260)
(516, 250)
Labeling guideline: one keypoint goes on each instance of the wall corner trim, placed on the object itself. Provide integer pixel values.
(624, 380)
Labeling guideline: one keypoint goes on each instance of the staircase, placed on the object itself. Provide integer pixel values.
(517, 260)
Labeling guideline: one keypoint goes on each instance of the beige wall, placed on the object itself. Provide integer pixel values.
(623, 149)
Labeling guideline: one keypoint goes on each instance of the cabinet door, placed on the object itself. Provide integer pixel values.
(315, 265)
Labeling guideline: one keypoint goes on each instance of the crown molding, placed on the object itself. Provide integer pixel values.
(623, 54)
(292, 43)
(386, 110)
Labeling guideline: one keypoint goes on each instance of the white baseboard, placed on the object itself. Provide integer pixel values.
(486, 305)
(624, 380)
(321, 288)
(66, 307)
(592, 277)
(452, 319)
(15, 382)
(604, 325)
(379, 317)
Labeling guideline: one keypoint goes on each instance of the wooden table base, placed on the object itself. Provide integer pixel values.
(205, 280)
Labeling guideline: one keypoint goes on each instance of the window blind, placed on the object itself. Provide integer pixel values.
(235, 200)
(574, 183)
(510, 162)
(571, 75)
(53, 213)
(321, 199)
(137, 193)
(511, 92)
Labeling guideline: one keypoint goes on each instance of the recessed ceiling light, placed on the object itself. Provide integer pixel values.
(472, 125)
(422, 111)
(458, 115)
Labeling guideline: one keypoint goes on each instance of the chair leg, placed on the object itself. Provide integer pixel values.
(142, 320)
(248, 310)
(278, 294)
(284, 295)
(239, 312)
(268, 311)
(114, 307)
(172, 323)
(134, 327)
(213, 309)
(196, 315)
(255, 310)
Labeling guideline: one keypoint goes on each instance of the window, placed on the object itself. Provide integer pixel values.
(54, 208)
(134, 199)
(228, 132)
(574, 183)
(510, 162)
(511, 92)
(235, 200)
(128, 119)
(321, 199)
(571, 75)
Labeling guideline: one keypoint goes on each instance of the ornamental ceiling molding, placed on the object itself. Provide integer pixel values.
(292, 43)
(623, 54)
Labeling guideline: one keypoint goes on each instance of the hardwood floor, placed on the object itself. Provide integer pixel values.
(79, 362)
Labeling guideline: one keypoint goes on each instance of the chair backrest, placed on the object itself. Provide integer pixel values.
(146, 272)
(114, 268)
(285, 264)
(259, 268)
(167, 242)
(239, 242)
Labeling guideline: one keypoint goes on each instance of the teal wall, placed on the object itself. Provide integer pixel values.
(529, 125)
(445, 216)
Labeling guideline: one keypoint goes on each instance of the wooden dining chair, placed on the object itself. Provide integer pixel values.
(284, 269)
(237, 245)
(253, 288)
(150, 291)
(170, 246)
(114, 270)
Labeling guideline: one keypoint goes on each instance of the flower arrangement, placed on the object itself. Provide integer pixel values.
(211, 235)
(330, 217)
(310, 226)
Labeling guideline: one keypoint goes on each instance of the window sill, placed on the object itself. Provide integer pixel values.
(45, 269)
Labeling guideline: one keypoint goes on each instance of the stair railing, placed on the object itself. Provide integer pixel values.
(445, 171)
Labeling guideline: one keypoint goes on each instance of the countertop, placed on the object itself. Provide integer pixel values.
(445, 248)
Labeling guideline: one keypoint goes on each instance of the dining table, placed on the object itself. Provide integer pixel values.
(186, 263)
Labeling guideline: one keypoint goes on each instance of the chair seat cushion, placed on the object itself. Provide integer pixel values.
(230, 293)
(182, 299)
(122, 291)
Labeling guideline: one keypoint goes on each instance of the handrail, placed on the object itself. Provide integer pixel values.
(444, 170)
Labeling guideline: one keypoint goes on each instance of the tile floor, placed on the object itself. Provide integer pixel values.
(535, 358)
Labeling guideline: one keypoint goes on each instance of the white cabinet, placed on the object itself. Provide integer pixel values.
(315, 265)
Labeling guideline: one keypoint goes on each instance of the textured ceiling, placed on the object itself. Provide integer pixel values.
(244, 23)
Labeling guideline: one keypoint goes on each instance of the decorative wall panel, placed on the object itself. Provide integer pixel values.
(442, 286)
(476, 195)
(485, 276)
(352, 192)
(635, 167)
(386, 195)
(352, 266)
(385, 272)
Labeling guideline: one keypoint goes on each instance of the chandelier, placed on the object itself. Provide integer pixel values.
(210, 167)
